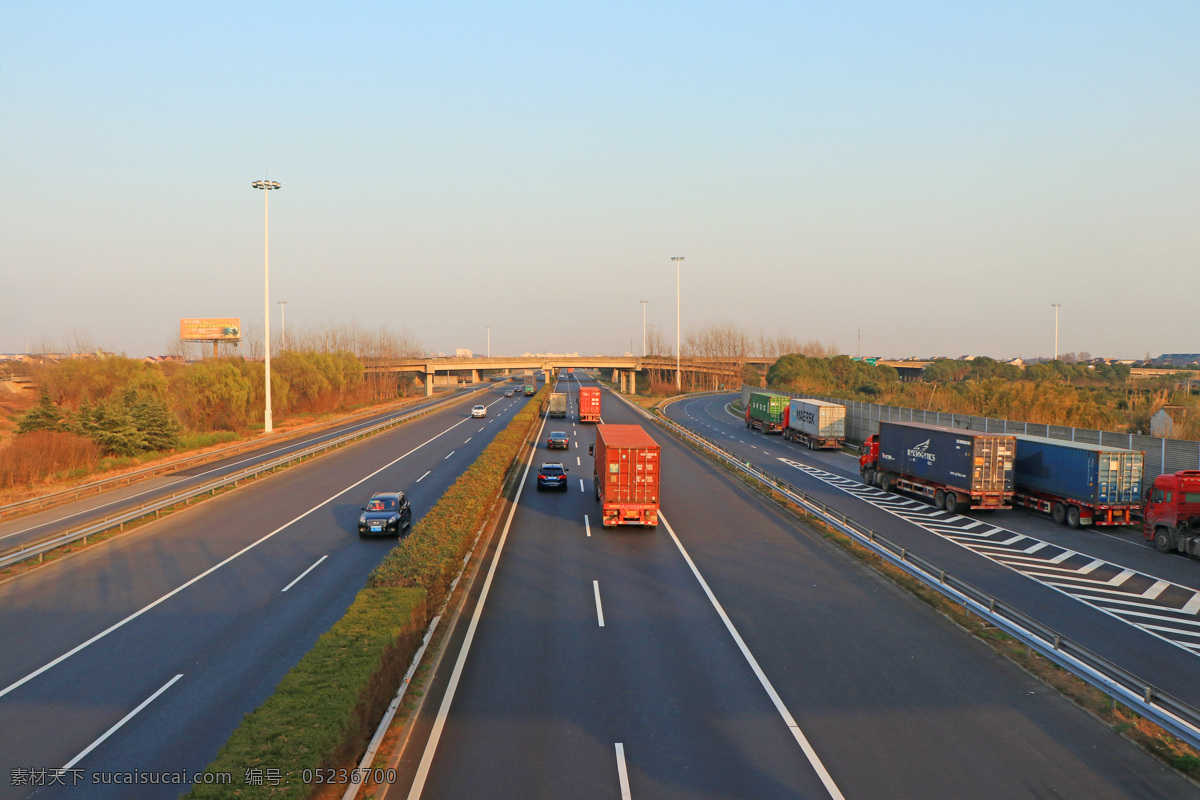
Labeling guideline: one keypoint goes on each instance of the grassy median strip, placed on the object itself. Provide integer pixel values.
(325, 709)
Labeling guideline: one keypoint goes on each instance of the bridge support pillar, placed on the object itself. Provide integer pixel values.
(616, 375)
(474, 376)
(428, 376)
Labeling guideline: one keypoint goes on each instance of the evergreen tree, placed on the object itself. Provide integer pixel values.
(153, 417)
(113, 429)
(45, 416)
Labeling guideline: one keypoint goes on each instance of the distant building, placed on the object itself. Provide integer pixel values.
(1168, 421)
(463, 352)
(1178, 359)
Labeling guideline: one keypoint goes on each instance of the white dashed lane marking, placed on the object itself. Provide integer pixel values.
(1163, 609)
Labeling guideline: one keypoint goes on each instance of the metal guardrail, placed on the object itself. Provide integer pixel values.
(62, 496)
(40, 546)
(1168, 712)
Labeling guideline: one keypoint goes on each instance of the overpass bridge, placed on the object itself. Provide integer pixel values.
(696, 373)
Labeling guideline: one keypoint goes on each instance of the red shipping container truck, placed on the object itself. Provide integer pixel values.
(626, 475)
(589, 403)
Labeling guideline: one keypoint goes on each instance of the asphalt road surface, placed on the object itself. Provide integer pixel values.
(729, 653)
(143, 653)
(1119, 598)
(74, 514)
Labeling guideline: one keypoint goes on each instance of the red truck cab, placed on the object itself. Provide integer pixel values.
(868, 454)
(1171, 513)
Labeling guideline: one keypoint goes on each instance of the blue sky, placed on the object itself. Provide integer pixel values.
(936, 173)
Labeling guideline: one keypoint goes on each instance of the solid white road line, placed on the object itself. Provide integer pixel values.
(302, 574)
(423, 477)
(587, 526)
(623, 773)
(788, 720)
(448, 455)
(599, 608)
(439, 722)
(581, 484)
(124, 719)
(215, 567)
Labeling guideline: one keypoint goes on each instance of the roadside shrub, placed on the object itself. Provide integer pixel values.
(30, 457)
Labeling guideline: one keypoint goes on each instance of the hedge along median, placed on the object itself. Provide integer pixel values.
(324, 711)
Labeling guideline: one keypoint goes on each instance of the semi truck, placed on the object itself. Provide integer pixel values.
(1077, 484)
(530, 383)
(957, 469)
(767, 412)
(589, 403)
(1171, 513)
(558, 404)
(626, 476)
(817, 424)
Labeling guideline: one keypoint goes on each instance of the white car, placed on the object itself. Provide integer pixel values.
(479, 411)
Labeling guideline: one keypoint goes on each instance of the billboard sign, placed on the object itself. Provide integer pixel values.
(227, 329)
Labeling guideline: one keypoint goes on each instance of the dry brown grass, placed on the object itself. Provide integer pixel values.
(34, 456)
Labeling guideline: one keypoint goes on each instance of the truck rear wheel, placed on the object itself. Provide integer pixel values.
(1073, 516)
(951, 503)
(939, 499)
(1058, 513)
(868, 476)
(1162, 540)
(885, 482)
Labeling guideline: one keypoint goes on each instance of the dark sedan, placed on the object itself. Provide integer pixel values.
(552, 476)
(385, 514)
(557, 440)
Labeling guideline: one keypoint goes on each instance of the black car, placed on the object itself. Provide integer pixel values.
(557, 440)
(552, 476)
(386, 513)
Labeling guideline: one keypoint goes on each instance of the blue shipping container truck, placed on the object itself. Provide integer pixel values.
(1078, 483)
(956, 468)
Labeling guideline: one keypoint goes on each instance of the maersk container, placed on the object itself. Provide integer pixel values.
(1090, 473)
(978, 463)
(818, 418)
(768, 407)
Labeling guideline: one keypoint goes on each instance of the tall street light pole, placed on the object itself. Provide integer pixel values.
(1056, 307)
(489, 330)
(643, 302)
(678, 375)
(266, 186)
(283, 323)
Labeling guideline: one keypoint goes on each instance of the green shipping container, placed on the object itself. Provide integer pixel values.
(768, 407)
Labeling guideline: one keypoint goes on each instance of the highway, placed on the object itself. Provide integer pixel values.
(145, 651)
(729, 653)
(1129, 603)
(71, 515)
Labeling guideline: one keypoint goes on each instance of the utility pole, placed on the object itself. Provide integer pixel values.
(678, 375)
(283, 323)
(266, 186)
(489, 349)
(643, 302)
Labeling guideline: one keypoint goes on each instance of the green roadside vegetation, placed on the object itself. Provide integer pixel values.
(325, 709)
(1055, 393)
(100, 414)
(1122, 720)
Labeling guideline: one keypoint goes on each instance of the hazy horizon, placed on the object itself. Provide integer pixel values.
(935, 175)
